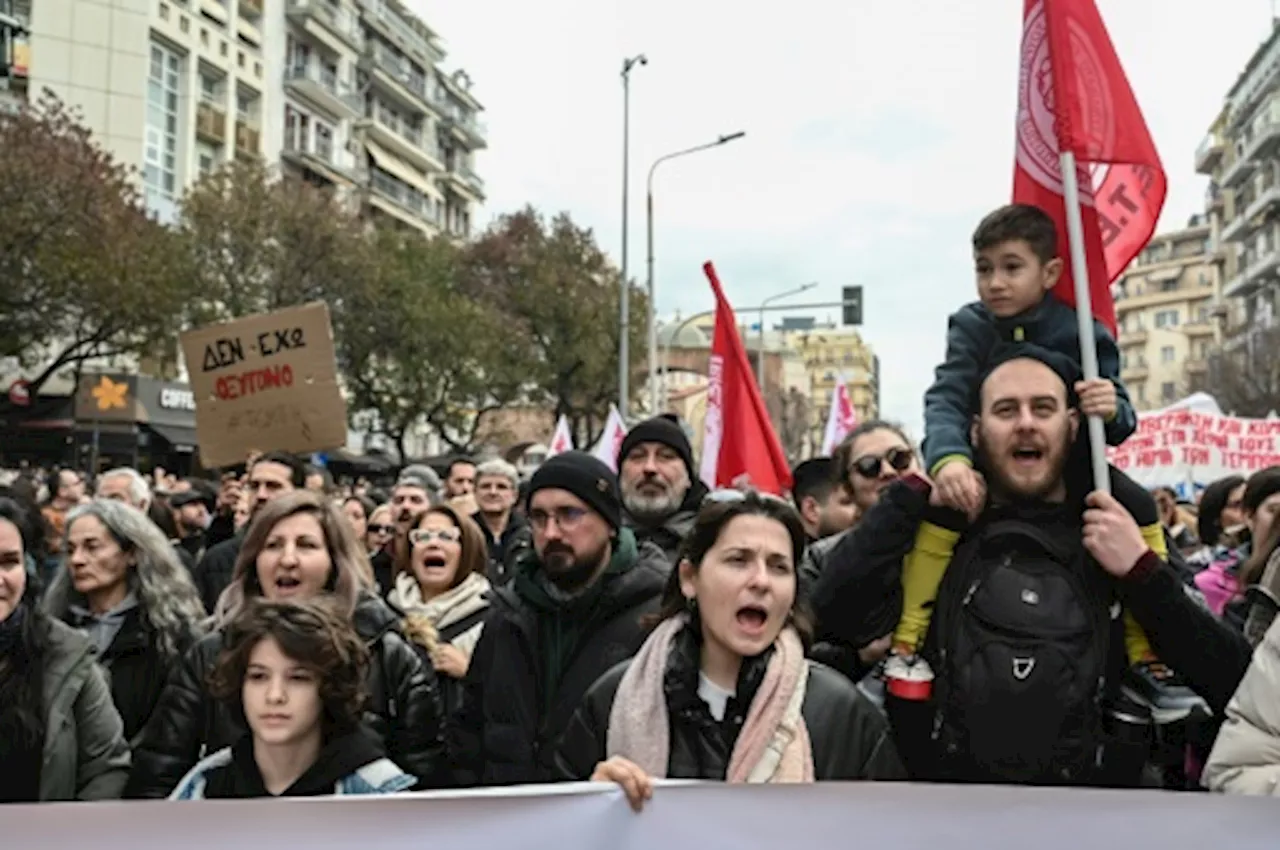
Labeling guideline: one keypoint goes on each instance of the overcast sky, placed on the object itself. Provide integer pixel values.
(878, 133)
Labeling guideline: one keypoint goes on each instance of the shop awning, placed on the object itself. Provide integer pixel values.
(181, 437)
(397, 168)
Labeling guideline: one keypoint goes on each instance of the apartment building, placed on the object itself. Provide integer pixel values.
(1166, 303)
(15, 52)
(1241, 155)
(345, 94)
(832, 352)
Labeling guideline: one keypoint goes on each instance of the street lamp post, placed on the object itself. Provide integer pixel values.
(763, 305)
(653, 326)
(624, 309)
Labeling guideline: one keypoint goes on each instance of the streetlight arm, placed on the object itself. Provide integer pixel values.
(723, 140)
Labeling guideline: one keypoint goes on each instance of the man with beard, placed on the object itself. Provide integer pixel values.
(661, 491)
(825, 506)
(270, 476)
(573, 610)
(1026, 639)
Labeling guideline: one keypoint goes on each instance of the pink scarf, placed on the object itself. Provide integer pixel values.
(774, 743)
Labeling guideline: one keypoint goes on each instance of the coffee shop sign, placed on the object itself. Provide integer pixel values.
(175, 399)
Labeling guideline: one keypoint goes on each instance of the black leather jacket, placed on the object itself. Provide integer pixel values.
(850, 738)
(404, 710)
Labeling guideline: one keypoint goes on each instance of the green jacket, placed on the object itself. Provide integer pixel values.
(85, 753)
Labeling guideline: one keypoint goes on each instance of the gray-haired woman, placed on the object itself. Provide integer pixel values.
(123, 586)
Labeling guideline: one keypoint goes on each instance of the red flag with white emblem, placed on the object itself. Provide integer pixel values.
(1073, 95)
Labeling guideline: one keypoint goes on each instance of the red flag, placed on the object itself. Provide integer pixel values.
(1073, 96)
(739, 447)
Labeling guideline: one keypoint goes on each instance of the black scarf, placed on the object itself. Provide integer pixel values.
(340, 757)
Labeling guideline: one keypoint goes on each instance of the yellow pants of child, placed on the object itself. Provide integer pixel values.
(922, 573)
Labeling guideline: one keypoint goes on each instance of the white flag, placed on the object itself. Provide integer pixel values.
(841, 419)
(611, 439)
(562, 440)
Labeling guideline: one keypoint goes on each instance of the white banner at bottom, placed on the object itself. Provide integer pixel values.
(681, 816)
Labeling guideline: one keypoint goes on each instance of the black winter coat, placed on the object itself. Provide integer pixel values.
(502, 735)
(137, 672)
(213, 573)
(404, 710)
(849, 737)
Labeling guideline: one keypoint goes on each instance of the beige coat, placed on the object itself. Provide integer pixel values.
(1246, 756)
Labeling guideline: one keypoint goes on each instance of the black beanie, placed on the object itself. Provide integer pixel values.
(664, 430)
(586, 477)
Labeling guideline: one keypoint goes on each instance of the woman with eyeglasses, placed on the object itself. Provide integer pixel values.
(721, 690)
(443, 594)
(299, 547)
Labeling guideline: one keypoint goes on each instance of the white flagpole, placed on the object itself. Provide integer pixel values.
(1084, 313)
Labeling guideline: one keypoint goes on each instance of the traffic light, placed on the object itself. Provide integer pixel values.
(852, 305)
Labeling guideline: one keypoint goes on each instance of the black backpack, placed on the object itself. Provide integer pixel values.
(1019, 643)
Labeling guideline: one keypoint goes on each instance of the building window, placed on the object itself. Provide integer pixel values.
(1167, 354)
(1169, 286)
(324, 142)
(1168, 391)
(160, 154)
(296, 127)
(1142, 393)
(1167, 319)
(206, 157)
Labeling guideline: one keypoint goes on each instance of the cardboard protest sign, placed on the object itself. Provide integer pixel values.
(1173, 447)
(266, 383)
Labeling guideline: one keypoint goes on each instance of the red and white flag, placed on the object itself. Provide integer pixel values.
(610, 441)
(739, 447)
(841, 419)
(562, 440)
(1073, 96)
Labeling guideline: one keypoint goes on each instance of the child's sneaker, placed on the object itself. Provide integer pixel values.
(1170, 699)
(908, 676)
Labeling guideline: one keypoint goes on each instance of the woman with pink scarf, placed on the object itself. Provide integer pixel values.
(722, 690)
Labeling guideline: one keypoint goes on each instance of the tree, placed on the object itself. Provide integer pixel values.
(1244, 376)
(415, 349)
(85, 272)
(256, 243)
(558, 294)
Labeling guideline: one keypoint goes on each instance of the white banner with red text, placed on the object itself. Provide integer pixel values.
(1188, 449)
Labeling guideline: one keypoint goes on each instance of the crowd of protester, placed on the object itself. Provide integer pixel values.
(977, 609)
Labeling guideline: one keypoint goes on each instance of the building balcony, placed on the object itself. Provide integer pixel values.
(314, 154)
(466, 127)
(379, 15)
(1265, 141)
(1198, 329)
(320, 86)
(1250, 218)
(1209, 154)
(403, 202)
(335, 23)
(1196, 367)
(248, 137)
(400, 79)
(1136, 373)
(211, 121)
(1128, 338)
(467, 181)
(405, 141)
(1257, 270)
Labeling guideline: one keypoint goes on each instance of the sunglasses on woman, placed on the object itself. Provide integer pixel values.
(869, 466)
(381, 529)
